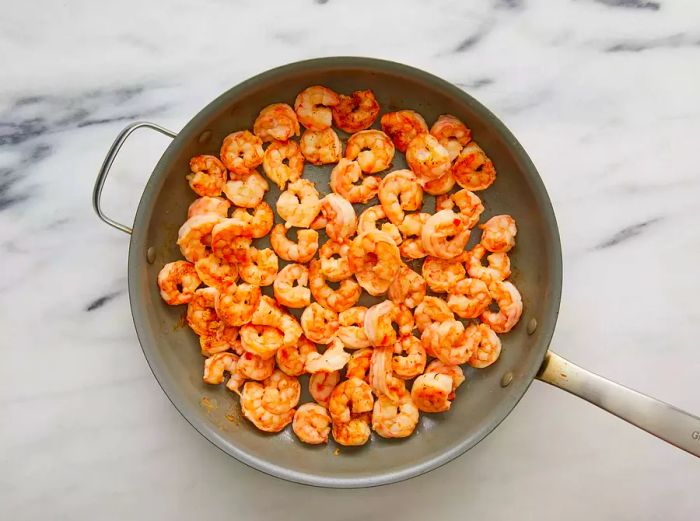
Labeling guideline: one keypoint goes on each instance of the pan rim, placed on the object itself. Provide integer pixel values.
(136, 256)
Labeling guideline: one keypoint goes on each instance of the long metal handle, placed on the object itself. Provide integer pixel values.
(107, 165)
(665, 421)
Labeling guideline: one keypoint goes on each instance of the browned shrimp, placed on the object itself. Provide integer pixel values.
(177, 282)
(345, 297)
(403, 126)
(473, 170)
(207, 176)
(313, 106)
(356, 112)
(451, 133)
(241, 152)
(276, 122)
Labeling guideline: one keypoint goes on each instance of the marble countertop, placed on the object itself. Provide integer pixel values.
(604, 95)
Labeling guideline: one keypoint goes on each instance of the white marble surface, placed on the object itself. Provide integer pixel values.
(605, 96)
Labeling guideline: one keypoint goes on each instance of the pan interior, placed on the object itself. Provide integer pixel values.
(482, 402)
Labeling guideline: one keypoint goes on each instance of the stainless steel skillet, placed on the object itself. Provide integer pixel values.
(490, 394)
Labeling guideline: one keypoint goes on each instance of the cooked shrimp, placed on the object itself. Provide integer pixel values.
(261, 269)
(216, 365)
(439, 186)
(253, 409)
(445, 234)
(321, 386)
(395, 419)
(412, 363)
(441, 275)
(228, 244)
(216, 272)
(177, 282)
(254, 367)
(407, 288)
(358, 365)
(378, 324)
(223, 339)
(451, 133)
(281, 392)
(453, 371)
(342, 221)
(333, 359)
(301, 251)
(356, 112)
(283, 162)
(352, 328)
(468, 203)
(381, 378)
(236, 303)
(510, 307)
(299, 204)
(207, 176)
(319, 324)
(353, 396)
(450, 341)
(247, 191)
(403, 126)
(268, 313)
(431, 309)
(313, 106)
(399, 191)
(469, 298)
(472, 169)
(343, 178)
(292, 359)
(241, 152)
(287, 292)
(202, 316)
(258, 224)
(194, 237)
(353, 433)
(321, 147)
(498, 268)
(411, 229)
(312, 424)
(334, 263)
(345, 297)
(427, 157)
(374, 257)
(372, 149)
(431, 391)
(498, 234)
(369, 219)
(276, 122)
(487, 350)
(263, 341)
(203, 205)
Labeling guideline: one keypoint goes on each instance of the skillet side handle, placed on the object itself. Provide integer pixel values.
(665, 421)
(107, 165)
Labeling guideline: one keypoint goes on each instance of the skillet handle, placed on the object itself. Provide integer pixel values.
(661, 419)
(107, 165)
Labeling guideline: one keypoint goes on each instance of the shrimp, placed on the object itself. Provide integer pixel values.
(411, 229)
(228, 244)
(261, 269)
(472, 169)
(453, 371)
(378, 324)
(399, 191)
(342, 221)
(346, 296)
(427, 158)
(441, 275)
(343, 178)
(312, 424)
(204, 205)
(215, 365)
(412, 363)
(407, 288)
(276, 122)
(321, 386)
(321, 147)
(352, 328)
(286, 292)
(431, 309)
(301, 251)
(374, 257)
(268, 313)
(333, 359)
(314, 105)
(469, 298)
(223, 339)
(299, 204)
(202, 316)
(451, 133)
(370, 217)
(353, 433)
(334, 263)
(372, 149)
(177, 282)
(498, 234)
(263, 341)
(381, 378)
(468, 203)
(216, 272)
(450, 341)
(283, 162)
(247, 191)
(194, 236)
(352, 396)
(358, 365)
(445, 234)
(292, 359)
(281, 392)
(254, 367)
(403, 126)
(355, 112)
(431, 391)
(207, 176)
(510, 307)
(487, 350)
(498, 268)
(241, 152)
(256, 225)
(395, 419)
(253, 409)
(236, 303)
(319, 324)
(439, 186)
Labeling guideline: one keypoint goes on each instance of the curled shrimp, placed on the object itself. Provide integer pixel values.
(427, 157)
(431, 391)
(407, 288)
(355, 112)
(253, 367)
(203, 205)
(247, 191)
(177, 282)
(441, 275)
(299, 204)
(202, 316)
(241, 152)
(256, 225)
(439, 186)
(281, 392)
(301, 251)
(378, 324)
(342, 221)
(276, 122)
(352, 396)
(487, 349)
(216, 365)
(292, 359)
(312, 424)
(374, 257)
(313, 106)
(473, 170)
(319, 324)
(399, 191)
(268, 313)
(223, 339)
(287, 292)
(215, 271)
(207, 175)
(369, 219)
(353, 433)
(343, 178)
(253, 409)
(321, 147)
(498, 268)
(450, 341)
(372, 149)
(411, 229)
(451, 133)
(228, 244)
(445, 234)
(381, 378)
(358, 365)
(469, 298)
(333, 257)
(261, 269)
(409, 357)
(510, 307)
(352, 328)
(468, 203)
(498, 234)
(194, 236)
(345, 297)
(321, 386)
(453, 371)
(332, 359)
(395, 419)
(283, 162)
(403, 126)
(236, 303)
(263, 341)
(431, 309)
